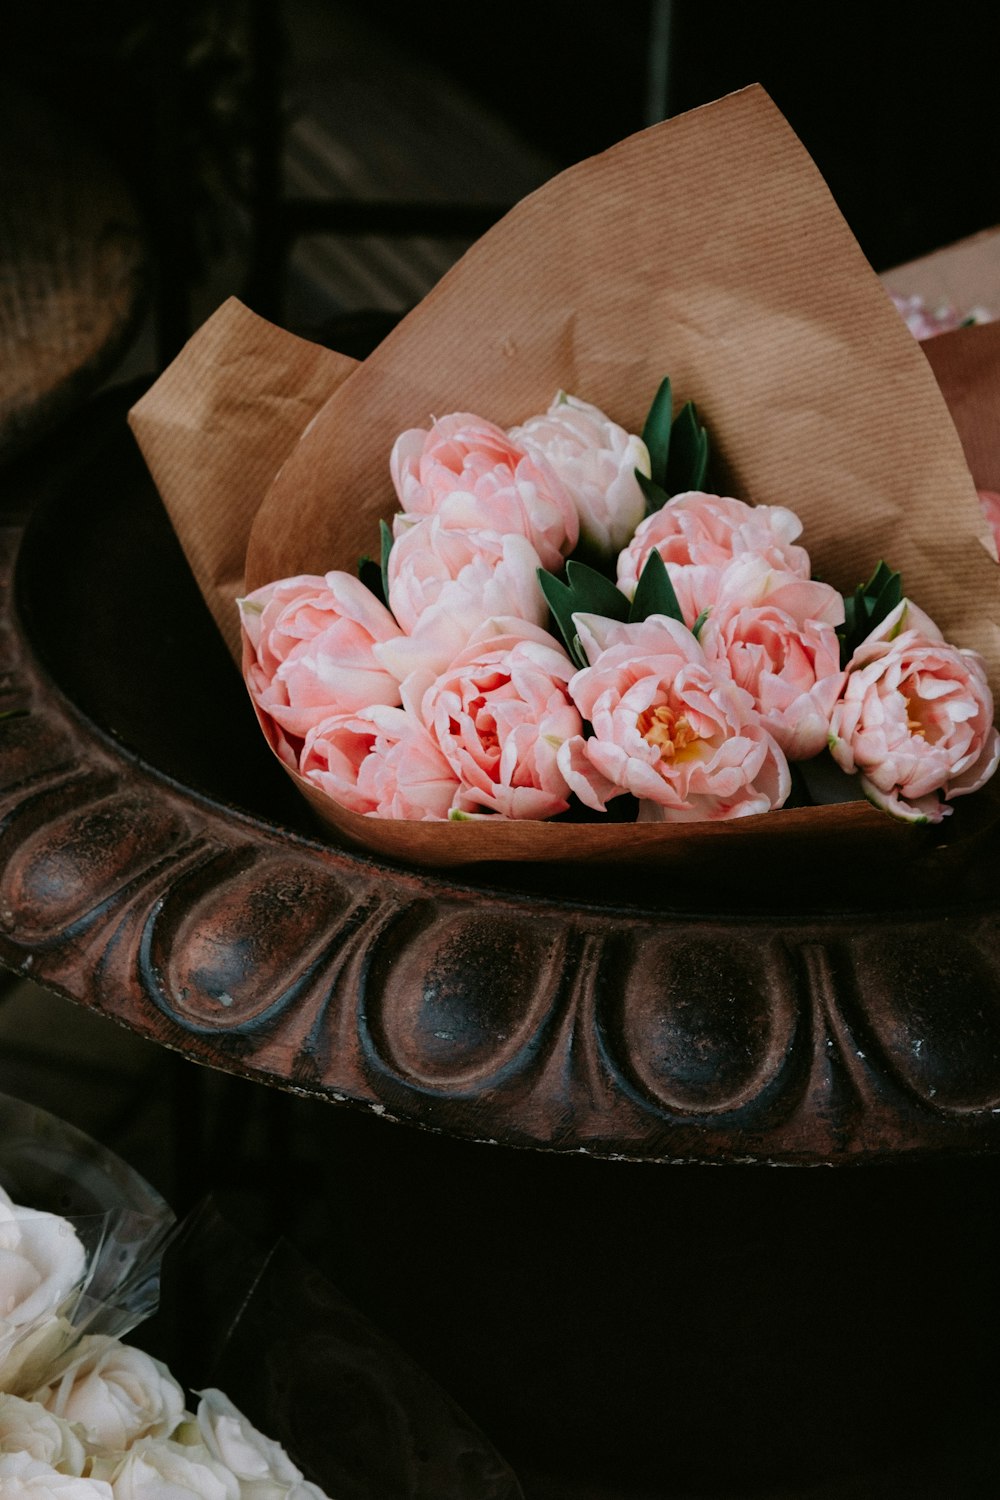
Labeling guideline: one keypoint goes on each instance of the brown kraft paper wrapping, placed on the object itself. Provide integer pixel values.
(214, 430)
(707, 248)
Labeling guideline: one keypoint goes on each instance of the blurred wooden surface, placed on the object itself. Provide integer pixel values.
(71, 270)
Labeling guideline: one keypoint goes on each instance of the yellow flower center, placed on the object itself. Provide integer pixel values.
(668, 732)
(914, 725)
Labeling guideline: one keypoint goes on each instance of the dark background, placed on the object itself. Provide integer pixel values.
(899, 112)
(901, 119)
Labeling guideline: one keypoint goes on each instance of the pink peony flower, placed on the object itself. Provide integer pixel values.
(309, 651)
(499, 715)
(382, 764)
(505, 489)
(777, 634)
(697, 535)
(669, 726)
(446, 581)
(596, 461)
(915, 719)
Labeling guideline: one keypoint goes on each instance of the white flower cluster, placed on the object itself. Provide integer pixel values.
(106, 1421)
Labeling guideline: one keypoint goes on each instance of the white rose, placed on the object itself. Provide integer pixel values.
(173, 1471)
(115, 1393)
(260, 1464)
(41, 1261)
(25, 1478)
(596, 461)
(26, 1427)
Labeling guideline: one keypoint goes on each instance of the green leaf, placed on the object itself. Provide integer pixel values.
(885, 601)
(594, 594)
(696, 627)
(878, 580)
(654, 593)
(688, 452)
(656, 433)
(385, 532)
(656, 498)
(867, 607)
(699, 472)
(560, 601)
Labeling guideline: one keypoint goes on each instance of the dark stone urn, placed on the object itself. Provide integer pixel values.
(639, 1303)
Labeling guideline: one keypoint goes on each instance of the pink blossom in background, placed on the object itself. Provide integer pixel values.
(777, 634)
(310, 649)
(382, 764)
(669, 726)
(697, 535)
(465, 456)
(990, 502)
(596, 460)
(499, 715)
(915, 720)
(926, 322)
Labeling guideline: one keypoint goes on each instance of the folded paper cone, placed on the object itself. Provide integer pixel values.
(707, 248)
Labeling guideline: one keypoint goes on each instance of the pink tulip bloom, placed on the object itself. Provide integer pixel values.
(382, 764)
(444, 582)
(309, 650)
(915, 719)
(465, 456)
(499, 715)
(697, 535)
(777, 634)
(596, 461)
(669, 726)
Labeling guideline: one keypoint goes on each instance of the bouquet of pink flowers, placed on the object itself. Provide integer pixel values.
(565, 630)
(699, 659)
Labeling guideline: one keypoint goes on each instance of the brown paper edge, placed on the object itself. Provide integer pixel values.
(214, 430)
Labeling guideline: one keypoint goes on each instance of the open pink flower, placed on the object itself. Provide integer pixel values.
(915, 719)
(697, 535)
(445, 581)
(596, 461)
(669, 726)
(499, 714)
(777, 634)
(464, 456)
(382, 764)
(309, 651)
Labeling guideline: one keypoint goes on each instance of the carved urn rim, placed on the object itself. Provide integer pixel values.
(591, 1022)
